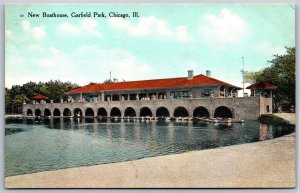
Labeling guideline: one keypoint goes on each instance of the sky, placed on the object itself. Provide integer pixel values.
(164, 41)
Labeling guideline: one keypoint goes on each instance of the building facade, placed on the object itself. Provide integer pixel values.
(191, 96)
(199, 86)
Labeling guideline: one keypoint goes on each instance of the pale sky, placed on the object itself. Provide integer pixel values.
(164, 42)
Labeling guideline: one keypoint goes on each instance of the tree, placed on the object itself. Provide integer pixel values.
(19, 99)
(31, 89)
(54, 90)
(252, 77)
(281, 73)
(8, 98)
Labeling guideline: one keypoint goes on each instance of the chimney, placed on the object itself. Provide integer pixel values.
(190, 74)
(208, 73)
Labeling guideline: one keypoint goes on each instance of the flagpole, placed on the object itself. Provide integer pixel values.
(243, 74)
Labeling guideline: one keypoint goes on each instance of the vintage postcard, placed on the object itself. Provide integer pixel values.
(150, 96)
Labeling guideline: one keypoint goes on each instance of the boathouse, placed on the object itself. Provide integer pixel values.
(190, 96)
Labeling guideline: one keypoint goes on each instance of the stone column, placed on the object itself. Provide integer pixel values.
(72, 112)
(190, 111)
(137, 111)
(24, 111)
(102, 96)
(234, 113)
(168, 95)
(211, 112)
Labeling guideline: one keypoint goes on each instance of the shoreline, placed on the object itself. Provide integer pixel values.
(238, 166)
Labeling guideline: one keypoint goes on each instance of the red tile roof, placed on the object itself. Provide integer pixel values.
(151, 84)
(39, 97)
(262, 85)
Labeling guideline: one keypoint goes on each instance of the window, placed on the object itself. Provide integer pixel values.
(206, 93)
(91, 98)
(179, 94)
(268, 108)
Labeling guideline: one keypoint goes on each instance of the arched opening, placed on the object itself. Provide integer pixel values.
(77, 112)
(29, 112)
(181, 112)
(223, 112)
(129, 112)
(47, 112)
(56, 112)
(201, 112)
(38, 112)
(145, 112)
(89, 112)
(102, 112)
(162, 112)
(67, 112)
(115, 112)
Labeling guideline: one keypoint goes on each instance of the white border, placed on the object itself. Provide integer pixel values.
(2, 2)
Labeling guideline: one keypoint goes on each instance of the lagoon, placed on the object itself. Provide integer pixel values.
(50, 144)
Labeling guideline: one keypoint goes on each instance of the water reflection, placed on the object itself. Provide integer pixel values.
(265, 131)
(47, 144)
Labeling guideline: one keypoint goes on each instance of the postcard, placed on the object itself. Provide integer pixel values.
(150, 96)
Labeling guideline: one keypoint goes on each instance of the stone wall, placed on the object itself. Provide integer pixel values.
(241, 108)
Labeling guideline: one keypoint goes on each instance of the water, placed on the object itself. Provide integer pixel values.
(33, 146)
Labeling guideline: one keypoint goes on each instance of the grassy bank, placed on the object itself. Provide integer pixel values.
(272, 119)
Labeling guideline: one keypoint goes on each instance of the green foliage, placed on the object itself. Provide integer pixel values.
(272, 119)
(54, 90)
(252, 77)
(281, 73)
(19, 99)
(8, 98)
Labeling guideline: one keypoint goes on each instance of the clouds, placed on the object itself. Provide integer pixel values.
(151, 26)
(85, 27)
(224, 29)
(37, 32)
(268, 49)
(164, 41)
(123, 64)
(25, 25)
(82, 65)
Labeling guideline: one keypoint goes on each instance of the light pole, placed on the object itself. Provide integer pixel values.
(243, 74)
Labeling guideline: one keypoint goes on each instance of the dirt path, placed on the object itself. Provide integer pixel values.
(291, 117)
